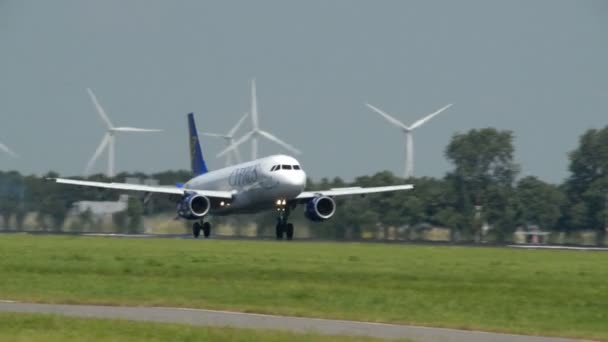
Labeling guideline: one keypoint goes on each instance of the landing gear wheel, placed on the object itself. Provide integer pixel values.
(279, 230)
(289, 231)
(196, 230)
(206, 229)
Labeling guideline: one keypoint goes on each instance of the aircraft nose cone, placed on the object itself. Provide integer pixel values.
(299, 180)
(296, 180)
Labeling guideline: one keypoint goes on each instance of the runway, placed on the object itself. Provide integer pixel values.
(311, 240)
(268, 322)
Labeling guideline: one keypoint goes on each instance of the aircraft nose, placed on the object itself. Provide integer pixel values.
(302, 180)
(298, 179)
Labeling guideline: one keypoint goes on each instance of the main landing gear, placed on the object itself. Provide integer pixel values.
(283, 226)
(197, 227)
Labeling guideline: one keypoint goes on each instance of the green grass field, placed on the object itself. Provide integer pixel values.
(32, 328)
(532, 292)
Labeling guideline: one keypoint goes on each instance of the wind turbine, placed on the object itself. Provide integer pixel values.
(229, 139)
(408, 131)
(256, 132)
(7, 150)
(109, 138)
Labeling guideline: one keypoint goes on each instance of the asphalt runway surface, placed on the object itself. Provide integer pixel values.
(306, 240)
(202, 317)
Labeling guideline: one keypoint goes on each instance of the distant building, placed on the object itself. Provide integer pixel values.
(101, 208)
(108, 208)
(531, 234)
(142, 181)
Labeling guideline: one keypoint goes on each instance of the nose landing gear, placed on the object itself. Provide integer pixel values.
(283, 227)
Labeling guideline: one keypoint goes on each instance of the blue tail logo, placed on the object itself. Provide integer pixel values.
(197, 162)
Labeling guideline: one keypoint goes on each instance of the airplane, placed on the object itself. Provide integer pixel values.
(274, 183)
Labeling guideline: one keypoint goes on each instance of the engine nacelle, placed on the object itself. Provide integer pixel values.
(320, 208)
(193, 207)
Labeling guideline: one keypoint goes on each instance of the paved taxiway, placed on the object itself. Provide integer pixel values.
(268, 322)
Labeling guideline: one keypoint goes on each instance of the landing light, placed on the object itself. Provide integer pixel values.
(278, 202)
(222, 203)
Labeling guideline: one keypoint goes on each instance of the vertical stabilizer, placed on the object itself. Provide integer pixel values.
(197, 161)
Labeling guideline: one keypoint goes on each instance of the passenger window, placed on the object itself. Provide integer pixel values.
(296, 167)
(286, 167)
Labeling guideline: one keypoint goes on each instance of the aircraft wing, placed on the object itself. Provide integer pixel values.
(353, 191)
(146, 188)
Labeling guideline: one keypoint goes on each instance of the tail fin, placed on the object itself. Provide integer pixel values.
(197, 161)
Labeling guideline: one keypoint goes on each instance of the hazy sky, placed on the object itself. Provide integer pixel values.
(539, 68)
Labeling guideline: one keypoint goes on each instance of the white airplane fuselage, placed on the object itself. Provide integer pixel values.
(257, 185)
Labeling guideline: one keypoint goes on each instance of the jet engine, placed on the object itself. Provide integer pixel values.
(193, 207)
(320, 208)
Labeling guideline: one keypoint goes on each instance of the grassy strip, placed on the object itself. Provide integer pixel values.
(25, 327)
(530, 292)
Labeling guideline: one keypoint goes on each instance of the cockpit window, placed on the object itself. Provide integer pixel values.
(285, 167)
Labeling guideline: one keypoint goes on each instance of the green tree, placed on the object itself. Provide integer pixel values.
(20, 217)
(85, 219)
(12, 189)
(500, 210)
(120, 220)
(587, 186)
(8, 207)
(53, 208)
(135, 211)
(539, 203)
(484, 174)
(53, 199)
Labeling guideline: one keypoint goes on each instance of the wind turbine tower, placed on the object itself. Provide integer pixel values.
(408, 134)
(109, 139)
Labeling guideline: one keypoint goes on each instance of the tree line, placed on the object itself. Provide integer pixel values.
(483, 188)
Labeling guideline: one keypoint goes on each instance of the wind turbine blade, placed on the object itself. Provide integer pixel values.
(428, 117)
(102, 113)
(236, 144)
(279, 141)
(388, 118)
(98, 151)
(7, 150)
(135, 129)
(237, 126)
(254, 106)
(215, 135)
